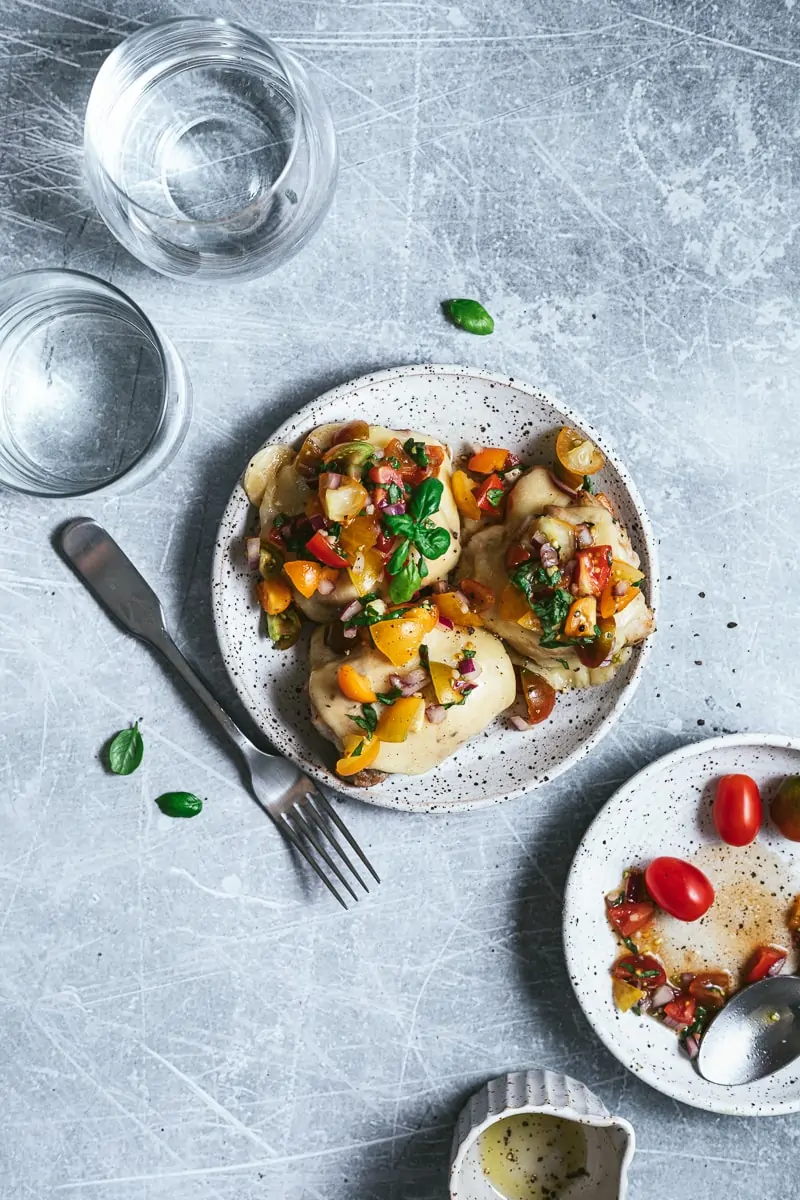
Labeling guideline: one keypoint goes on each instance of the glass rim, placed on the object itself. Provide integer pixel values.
(282, 58)
(91, 489)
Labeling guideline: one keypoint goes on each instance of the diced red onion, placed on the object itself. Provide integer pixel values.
(325, 586)
(436, 713)
(686, 978)
(462, 599)
(621, 588)
(445, 623)
(538, 538)
(439, 587)
(663, 995)
(352, 609)
(351, 633)
(607, 661)
(548, 555)
(393, 510)
(513, 474)
(512, 461)
(583, 536)
(570, 568)
(675, 1026)
(408, 684)
(369, 509)
(333, 481)
(562, 487)
(467, 666)
(252, 550)
(317, 521)
(691, 1045)
(776, 967)
(519, 723)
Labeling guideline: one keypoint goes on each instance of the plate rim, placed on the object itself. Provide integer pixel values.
(724, 1107)
(376, 378)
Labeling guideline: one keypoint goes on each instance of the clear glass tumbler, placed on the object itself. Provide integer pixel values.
(209, 152)
(91, 396)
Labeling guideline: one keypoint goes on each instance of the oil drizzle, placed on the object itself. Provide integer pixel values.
(532, 1156)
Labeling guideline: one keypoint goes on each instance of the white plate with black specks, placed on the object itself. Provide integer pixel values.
(666, 809)
(459, 405)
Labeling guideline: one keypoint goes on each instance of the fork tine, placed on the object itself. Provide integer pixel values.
(287, 829)
(308, 830)
(329, 834)
(340, 825)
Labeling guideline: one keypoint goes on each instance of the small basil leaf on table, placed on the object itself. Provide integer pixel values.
(179, 804)
(125, 751)
(469, 315)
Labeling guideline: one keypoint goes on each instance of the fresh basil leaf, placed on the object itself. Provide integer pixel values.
(406, 582)
(394, 493)
(399, 556)
(552, 611)
(416, 451)
(125, 751)
(390, 696)
(368, 721)
(180, 804)
(469, 315)
(431, 540)
(426, 498)
(588, 486)
(402, 525)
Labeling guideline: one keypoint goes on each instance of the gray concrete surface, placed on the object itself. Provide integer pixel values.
(618, 183)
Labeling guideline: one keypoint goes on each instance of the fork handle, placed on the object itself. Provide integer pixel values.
(116, 583)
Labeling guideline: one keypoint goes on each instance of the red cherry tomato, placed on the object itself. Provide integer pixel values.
(640, 970)
(679, 888)
(737, 809)
(681, 1010)
(629, 918)
(767, 960)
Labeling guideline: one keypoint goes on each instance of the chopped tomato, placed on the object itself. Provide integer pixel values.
(512, 604)
(402, 718)
(576, 453)
(581, 618)
(479, 595)
(767, 960)
(517, 554)
(793, 920)
(490, 494)
(400, 638)
(594, 570)
(635, 890)
(274, 595)
(711, 988)
(366, 571)
(488, 461)
(322, 547)
(682, 1010)
(405, 465)
(360, 753)
(640, 970)
(385, 474)
(628, 918)
(595, 653)
(355, 431)
(359, 534)
(354, 685)
(540, 696)
(464, 496)
(305, 575)
(455, 608)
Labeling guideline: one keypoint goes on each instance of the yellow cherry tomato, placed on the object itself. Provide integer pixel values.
(402, 718)
(399, 639)
(443, 677)
(456, 609)
(305, 575)
(366, 570)
(354, 685)
(351, 762)
(582, 617)
(274, 595)
(577, 454)
(466, 503)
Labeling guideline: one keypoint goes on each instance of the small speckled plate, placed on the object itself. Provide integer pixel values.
(460, 405)
(666, 809)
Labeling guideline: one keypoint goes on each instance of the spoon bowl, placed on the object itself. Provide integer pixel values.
(756, 1034)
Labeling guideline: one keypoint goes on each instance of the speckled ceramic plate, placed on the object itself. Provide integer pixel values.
(666, 809)
(457, 404)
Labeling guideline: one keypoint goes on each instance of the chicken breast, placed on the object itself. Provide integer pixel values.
(494, 691)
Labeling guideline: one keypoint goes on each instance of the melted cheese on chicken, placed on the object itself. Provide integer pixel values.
(495, 690)
(271, 478)
(535, 500)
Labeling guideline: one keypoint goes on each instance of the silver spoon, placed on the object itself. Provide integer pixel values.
(757, 1033)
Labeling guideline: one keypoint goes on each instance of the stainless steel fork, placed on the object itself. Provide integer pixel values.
(293, 801)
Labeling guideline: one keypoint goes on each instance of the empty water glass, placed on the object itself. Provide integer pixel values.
(210, 154)
(91, 396)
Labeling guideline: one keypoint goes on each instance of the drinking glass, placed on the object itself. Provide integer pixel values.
(91, 396)
(210, 154)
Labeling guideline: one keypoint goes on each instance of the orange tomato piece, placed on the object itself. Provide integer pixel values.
(512, 604)
(399, 639)
(576, 453)
(354, 685)
(488, 460)
(427, 613)
(366, 571)
(457, 610)
(582, 617)
(400, 719)
(466, 503)
(359, 534)
(443, 678)
(479, 595)
(274, 595)
(305, 575)
(351, 762)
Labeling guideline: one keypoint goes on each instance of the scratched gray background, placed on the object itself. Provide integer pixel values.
(178, 1018)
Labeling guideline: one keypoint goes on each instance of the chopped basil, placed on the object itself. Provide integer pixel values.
(634, 949)
(390, 696)
(495, 497)
(368, 721)
(469, 653)
(395, 493)
(564, 663)
(588, 486)
(357, 752)
(416, 451)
